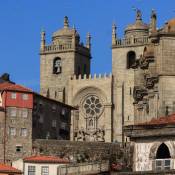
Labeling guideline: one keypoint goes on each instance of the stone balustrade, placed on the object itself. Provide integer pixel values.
(84, 168)
(131, 41)
(61, 47)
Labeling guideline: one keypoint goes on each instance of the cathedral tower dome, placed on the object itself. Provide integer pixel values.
(138, 28)
(66, 33)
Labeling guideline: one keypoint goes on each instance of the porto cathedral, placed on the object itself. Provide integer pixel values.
(140, 87)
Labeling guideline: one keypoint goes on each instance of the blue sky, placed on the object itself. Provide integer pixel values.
(22, 20)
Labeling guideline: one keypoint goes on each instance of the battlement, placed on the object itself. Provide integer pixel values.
(131, 42)
(91, 77)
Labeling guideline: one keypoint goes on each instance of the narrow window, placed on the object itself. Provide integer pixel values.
(54, 123)
(13, 112)
(131, 58)
(31, 170)
(24, 113)
(12, 131)
(130, 91)
(23, 132)
(13, 95)
(57, 67)
(44, 170)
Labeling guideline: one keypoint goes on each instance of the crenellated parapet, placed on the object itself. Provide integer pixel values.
(91, 77)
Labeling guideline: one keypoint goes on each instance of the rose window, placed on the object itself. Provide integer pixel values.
(92, 106)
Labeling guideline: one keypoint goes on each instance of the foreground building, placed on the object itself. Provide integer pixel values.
(25, 116)
(153, 144)
(43, 165)
(143, 65)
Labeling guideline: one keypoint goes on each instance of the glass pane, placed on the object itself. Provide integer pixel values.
(158, 162)
(167, 162)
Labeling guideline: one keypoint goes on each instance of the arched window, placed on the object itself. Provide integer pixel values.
(131, 58)
(163, 158)
(57, 65)
(163, 152)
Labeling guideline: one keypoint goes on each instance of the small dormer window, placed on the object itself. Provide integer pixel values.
(57, 67)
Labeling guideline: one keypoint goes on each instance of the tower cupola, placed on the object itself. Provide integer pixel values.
(138, 29)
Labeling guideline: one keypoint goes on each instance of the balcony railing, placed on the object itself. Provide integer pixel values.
(61, 47)
(84, 168)
(131, 41)
(163, 164)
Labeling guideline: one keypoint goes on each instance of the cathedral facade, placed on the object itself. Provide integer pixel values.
(140, 87)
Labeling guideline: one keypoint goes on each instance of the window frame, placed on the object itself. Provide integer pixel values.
(13, 95)
(12, 131)
(45, 172)
(22, 133)
(31, 171)
(25, 96)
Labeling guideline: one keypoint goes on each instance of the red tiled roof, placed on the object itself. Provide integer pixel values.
(9, 169)
(13, 87)
(170, 119)
(45, 159)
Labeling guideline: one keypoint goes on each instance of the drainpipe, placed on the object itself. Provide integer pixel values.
(123, 114)
(5, 123)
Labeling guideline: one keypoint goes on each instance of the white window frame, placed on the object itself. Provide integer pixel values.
(13, 95)
(24, 113)
(54, 123)
(13, 112)
(12, 131)
(24, 132)
(25, 96)
(44, 170)
(31, 170)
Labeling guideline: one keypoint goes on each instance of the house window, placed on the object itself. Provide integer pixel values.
(54, 123)
(12, 112)
(24, 113)
(45, 170)
(19, 149)
(31, 170)
(25, 96)
(12, 131)
(23, 132)
(13, 95)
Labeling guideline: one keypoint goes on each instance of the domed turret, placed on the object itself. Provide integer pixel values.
(171, 25)
(138, 28)
(66, 34)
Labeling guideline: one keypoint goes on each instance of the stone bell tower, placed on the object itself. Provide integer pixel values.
(124, 54)
(64, 57)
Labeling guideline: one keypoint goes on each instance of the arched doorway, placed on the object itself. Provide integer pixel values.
(163, 157)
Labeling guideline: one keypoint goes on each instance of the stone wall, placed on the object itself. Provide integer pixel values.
(85, 151)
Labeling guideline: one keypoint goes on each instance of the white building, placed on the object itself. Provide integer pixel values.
(154, 144)
(40, 165)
